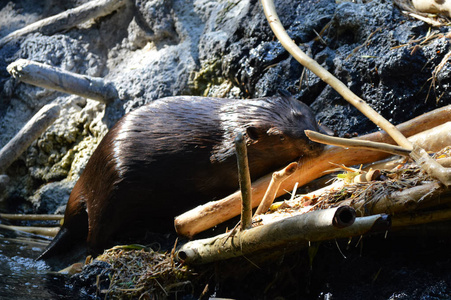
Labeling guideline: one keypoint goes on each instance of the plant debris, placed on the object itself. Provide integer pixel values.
(363, 196)
(141, 273)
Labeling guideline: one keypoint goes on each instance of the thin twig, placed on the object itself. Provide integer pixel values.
(28, 134)
(273, 188)
(354, 143)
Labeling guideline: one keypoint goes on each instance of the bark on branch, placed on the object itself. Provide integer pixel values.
(300, 230)
(67, 19)
(30, 132)
(64, 81)
(245, 182)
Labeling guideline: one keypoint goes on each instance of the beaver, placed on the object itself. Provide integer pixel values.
(172, 155)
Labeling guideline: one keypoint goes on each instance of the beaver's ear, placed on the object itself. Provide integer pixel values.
(253, 133)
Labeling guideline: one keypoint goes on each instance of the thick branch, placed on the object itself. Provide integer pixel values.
(315, 226)
(30, 132)
(431, 166)
(64, 81)
(67, 19)
(422, 196)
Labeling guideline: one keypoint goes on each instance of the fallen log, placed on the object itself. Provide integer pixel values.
(61, 80)
(67, 19)
(300, 230)
(216, 212)
(28, 134)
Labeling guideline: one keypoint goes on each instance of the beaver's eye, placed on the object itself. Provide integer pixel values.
(282, 138)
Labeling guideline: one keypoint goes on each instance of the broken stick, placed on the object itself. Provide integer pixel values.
(245, 182)
(29, 133)
(64, 81)
(67, 19)
(271, 192)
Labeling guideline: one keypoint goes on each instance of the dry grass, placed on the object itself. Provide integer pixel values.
(145, 274)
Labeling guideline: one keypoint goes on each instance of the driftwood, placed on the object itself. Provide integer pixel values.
(29, 133)
(245, 182)
(64, 81)
(276, 180)
(213, 213)
(298, 230)
(67, 19)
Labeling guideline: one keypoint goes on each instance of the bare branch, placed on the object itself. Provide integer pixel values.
(67, 19)
(64, 81)
(245, 182)
(326, 76)
(30, 132)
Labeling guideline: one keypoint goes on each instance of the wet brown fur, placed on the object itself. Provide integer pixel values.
(174, 154)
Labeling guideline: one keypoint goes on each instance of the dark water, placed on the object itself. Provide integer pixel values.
(21, 277)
